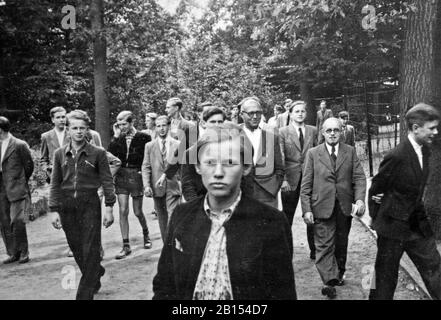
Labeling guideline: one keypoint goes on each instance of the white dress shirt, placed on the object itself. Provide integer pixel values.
(297, 127)
(329, 148)
(60, 136)
(418, 149)
(255, 138)
(5, 144)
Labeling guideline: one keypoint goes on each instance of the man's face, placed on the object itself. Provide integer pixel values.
(322, 105)
(124, 125)
(59, 119)
(298, 113)
(332, 131)
(149, 123)
(344, 120)
(171, 109)
(214, 120)
(426, 133)
(77, 130)
(251, 114)
(234, 111)
(162, 128)
(220, 168)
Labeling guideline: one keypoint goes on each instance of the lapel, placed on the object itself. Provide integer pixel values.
(308, 138)
(156, 152)
(262, 148)
(294, 136)
(54, 139)
(341, 157)
(10, 148)
(324, 157)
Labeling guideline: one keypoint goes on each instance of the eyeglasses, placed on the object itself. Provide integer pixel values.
(253, 113)
(329, 131)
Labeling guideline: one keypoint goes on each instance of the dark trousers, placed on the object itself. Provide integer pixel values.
(290, 200)
(12, 224)
(164, 207)
(81, 220)
(423, 254)
(331, 243)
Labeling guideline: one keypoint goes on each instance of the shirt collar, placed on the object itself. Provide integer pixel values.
(329, 148)
(417, 147)
(85, 148)
(296, 126)
(255, 131)
(228, 211)
(8, 137)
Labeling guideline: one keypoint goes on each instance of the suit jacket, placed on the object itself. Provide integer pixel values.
(49, 143)
(292, 154)
(268, 172)
(321, 118)
(401, 179)
(259, 250)
(135, 157)
(17, 168)
(322, 184)
(348, 135)
(153, 167)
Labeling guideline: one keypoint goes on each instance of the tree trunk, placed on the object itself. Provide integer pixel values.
(102, 112)
(305, 94)
(420, 81)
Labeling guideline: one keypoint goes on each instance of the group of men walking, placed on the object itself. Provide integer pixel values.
(225, 194)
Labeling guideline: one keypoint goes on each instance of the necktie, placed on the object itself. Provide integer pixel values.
(301, 139)
(163, 149)
(333, 156)
(288, 118)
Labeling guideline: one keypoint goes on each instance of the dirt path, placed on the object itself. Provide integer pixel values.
(49, 274)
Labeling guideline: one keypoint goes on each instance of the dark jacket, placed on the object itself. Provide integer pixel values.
(81, 175)
(118, 147)
(402, 181)
(259, 249)
(17, 168)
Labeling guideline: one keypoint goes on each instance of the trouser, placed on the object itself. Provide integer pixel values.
(12, 223)
(81, 221)
(331, 243)
(290, 200)
(164, 207)
(424, 255)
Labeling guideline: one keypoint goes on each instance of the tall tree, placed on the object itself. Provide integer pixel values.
(102, 110)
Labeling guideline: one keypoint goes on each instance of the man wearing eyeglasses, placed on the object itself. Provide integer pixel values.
(348, 131)
(268, 171)
(333, 189)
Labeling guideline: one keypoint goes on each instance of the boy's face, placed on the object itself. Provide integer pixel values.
(214, 120)
(426, 133)
(162, 128)
(77, 130)
(221, 168)
(124, 125)
(59, 119)
(298, 113)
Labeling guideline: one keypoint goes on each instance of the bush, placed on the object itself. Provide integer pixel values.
(38, 178)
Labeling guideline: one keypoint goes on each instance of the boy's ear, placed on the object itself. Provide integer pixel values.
(197, 168)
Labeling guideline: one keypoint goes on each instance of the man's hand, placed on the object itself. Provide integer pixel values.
(361, 208)
(108, 217)
(161, 180)
(308, 217)
(56, 222)
(116, 130)
(285, 186)
(148, 192)
(378, 197)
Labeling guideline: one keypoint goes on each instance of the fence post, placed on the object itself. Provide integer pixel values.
(396, 130)
(368, 125)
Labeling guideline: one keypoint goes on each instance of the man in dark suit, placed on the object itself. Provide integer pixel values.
(128, 145)
(322, 115)
(348, 131)
(284, 119)
(268, 171)
(333, 180)
(400, 220)
(295, 140)
(166, 196)
(225, 245)
(15, 170)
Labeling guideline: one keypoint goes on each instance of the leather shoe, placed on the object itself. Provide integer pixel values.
(24, 258)
(11, 259)
(124, 253)
(147, 242)
(341, 280)
(329, 291)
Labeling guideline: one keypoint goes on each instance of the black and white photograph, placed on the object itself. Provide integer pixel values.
(237, 151)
